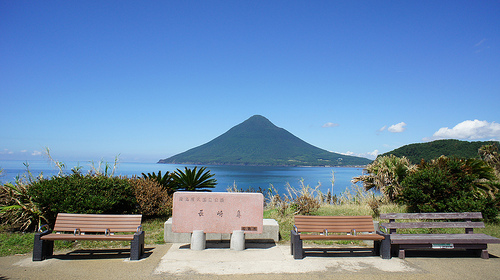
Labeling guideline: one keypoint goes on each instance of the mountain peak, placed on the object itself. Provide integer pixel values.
(256, 122)
(257, 141)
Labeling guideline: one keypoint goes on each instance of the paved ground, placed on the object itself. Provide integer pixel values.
(260, 261)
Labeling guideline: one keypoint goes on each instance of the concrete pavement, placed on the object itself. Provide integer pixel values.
(259, 261)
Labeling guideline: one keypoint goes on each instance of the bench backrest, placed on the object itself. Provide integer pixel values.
(97, 222)
(341, 224)
(461, 220)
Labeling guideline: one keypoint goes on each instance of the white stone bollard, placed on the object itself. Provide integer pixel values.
(198, 240)
(238, 240)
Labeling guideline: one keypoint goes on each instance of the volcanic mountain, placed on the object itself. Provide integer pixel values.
(257, 141)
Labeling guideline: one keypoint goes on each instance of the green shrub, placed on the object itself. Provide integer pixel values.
(448, 185)
(87, 194)
(153, 199)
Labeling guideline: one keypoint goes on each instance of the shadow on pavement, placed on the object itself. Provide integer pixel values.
(100, 254)
(227, 245)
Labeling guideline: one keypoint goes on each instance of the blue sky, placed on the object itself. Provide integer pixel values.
(149, 79)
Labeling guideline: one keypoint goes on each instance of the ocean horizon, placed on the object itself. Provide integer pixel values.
(227, 176)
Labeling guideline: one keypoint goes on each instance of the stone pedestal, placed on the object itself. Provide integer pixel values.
(270, 233)
(238, 240)
(198, 240)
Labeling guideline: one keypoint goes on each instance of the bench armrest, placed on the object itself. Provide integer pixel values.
(40, 229)
(382, 233)
(380, 228)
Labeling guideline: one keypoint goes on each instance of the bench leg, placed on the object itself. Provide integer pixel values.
(485, 254)
(402, 253)
(137, 246)
(298, 251)
(42, 248)
(385, 247)
(376, 248)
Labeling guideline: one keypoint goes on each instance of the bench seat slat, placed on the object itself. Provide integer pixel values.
(433, 225)
(98, 221)
(95, 229)
(120, 237)
(433, 216)
(105, 216)
(336, 229)
(341, 237)
(475, 238)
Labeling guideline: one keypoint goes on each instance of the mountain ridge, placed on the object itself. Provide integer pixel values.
(447, 147)
(257, 141)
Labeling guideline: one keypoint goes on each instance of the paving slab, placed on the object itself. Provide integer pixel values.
(267, 259)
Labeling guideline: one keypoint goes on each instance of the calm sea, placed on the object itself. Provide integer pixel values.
(243, 177)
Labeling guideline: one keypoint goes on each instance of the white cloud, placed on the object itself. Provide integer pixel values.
(397, 128)
(470, 130)
(480, 43)
(369, 155)
(330, 124)
(374, 154)
(382, 128)
(24, 151)
(6, 152)
(36, 153)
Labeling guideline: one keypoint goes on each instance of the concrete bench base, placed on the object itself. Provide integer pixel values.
(270, 233)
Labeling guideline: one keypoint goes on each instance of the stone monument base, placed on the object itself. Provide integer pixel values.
(270, 233)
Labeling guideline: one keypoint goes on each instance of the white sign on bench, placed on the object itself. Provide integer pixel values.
(216, 212)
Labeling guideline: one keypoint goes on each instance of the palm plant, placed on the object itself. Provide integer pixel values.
(489, 153)
(385, 174)
(166, 181)
(483, 174)
(194, 180)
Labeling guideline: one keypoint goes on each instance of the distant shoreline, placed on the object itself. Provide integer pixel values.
(262, 165)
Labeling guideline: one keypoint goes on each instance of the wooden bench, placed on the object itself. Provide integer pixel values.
(464, 241)
(335, 228)
(91, 227)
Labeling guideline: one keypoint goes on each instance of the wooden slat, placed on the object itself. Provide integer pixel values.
(341, 237)
(433, 225)
(334, 223)
(475, 238)
(433, 216)
(97, 222)
(120, 237)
